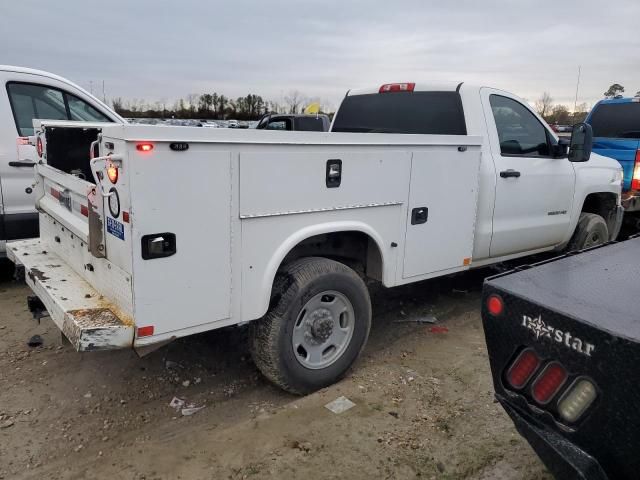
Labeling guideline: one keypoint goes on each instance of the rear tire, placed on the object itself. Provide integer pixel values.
(316, 327)
(591, 231)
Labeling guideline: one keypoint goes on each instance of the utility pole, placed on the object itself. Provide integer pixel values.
(575, 103)
(104, 97)
(91, 86)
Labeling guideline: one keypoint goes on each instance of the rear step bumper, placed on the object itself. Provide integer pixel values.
(86, 318)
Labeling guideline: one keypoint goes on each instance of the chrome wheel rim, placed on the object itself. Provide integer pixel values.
(323, 330)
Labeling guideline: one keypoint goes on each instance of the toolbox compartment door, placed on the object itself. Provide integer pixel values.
(442, 209)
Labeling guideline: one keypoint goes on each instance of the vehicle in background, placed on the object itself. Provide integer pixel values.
(287, 225)
(298, 122)
(564, 128)
(27, 94)
(616, 134)
(232, 123)
(563, 339)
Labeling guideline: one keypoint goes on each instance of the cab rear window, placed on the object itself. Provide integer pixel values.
(616, 120)
(438, 113)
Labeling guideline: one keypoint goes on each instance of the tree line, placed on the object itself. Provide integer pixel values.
(560, 114)
(212, 106)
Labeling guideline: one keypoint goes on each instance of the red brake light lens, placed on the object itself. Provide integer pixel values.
(397, 87)
(524, 366)
(548, 383)
(112, 173)
(495, 305)
(39, 147)
(144, 147)
(635, 181)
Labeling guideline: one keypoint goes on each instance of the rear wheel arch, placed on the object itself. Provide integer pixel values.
(296, 246)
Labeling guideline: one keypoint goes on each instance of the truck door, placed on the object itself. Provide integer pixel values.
(534, 191)
(26, 101)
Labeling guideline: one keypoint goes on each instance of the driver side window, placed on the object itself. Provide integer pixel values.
(519, 131)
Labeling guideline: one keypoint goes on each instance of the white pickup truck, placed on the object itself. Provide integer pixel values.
(26, 94)
(175, 231)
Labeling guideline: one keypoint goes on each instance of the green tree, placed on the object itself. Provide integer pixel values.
(615, 89)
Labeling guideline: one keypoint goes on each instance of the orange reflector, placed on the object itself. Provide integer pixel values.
(145, 331)
(112, 173)
(144, 147)
(466, 262)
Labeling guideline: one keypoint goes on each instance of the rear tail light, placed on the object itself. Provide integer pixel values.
(635, 181)
(397, 87)
(495, 305)
(577, 400)
(112, 173)
(22, 141)
(39, 147)
(548, 383)
(524, 366)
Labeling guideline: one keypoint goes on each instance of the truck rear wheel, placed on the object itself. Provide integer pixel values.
(317, 325)
(591, 230)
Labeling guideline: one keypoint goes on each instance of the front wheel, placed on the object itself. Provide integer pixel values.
(591, 231)
(317, 325)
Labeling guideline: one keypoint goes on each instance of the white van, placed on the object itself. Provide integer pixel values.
(29, 94)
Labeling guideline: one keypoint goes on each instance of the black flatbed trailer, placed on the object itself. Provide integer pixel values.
(563, 338)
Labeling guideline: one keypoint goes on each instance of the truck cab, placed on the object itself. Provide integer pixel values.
(616, 134)
(298, 122)
(530, 196)
(25, 95)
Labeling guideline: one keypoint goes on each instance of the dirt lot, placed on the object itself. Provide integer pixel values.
(424, 404)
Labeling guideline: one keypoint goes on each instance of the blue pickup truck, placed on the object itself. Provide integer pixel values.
(616, 134)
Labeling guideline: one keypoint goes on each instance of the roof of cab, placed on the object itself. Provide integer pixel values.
(33, 71)
(42, 73)
(620, 100)
(419, 87)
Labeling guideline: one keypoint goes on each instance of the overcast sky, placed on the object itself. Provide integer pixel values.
(164, 50)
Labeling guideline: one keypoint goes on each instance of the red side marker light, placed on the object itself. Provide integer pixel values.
(144, 147)
(39, 147)
(125, 217)
(22, 141)
(397, 87)
(145, 331)
(523, 368)
(84, 210)
(548, 383)
(495, 305)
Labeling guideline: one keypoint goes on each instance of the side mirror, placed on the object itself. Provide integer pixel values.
(581, 143)
(560, 149)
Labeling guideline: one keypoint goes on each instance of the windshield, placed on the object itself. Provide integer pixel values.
(402, 112)
(616, 120)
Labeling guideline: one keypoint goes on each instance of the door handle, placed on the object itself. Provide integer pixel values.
(509, 173)
(419, 215)
(22, 163)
